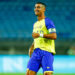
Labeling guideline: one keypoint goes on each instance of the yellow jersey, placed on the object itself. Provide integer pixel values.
(44, 26)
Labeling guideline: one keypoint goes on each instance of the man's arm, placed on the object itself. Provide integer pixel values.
(48, 36)
(31, 49)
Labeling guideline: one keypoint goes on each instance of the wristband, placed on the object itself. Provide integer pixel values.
(41, 35)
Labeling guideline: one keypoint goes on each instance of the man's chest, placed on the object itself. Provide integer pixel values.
(39, 25)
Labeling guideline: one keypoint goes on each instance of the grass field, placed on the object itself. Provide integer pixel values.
(24, 74)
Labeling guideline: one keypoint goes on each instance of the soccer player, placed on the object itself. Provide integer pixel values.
(43, 48)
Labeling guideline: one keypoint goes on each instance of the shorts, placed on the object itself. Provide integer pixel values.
(41, 58)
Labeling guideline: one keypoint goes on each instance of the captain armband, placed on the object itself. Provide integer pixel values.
(52, 30)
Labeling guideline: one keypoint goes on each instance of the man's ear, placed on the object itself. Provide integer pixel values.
(44, 9)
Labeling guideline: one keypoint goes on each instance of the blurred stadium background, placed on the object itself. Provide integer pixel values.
(16, 23)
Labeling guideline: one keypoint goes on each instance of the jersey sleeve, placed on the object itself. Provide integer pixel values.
(50, 26)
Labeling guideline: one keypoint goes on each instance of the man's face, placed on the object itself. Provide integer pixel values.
(39, 9)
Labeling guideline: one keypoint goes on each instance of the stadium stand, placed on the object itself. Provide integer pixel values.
(17, 17)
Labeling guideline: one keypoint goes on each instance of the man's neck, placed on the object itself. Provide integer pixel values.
(41, 17)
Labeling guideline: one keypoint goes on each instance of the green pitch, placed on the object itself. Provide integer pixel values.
(24, 74)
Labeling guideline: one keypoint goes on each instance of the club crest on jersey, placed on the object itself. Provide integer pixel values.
(38, 27)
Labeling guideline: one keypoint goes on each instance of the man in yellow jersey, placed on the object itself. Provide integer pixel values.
(43, 48)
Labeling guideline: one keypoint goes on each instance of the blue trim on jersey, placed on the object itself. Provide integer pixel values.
(49, 24)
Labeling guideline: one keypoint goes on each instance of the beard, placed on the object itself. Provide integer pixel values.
(39, 14)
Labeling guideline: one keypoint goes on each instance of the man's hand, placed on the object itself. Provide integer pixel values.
(31, 49)
(35, 35)
(30, 52)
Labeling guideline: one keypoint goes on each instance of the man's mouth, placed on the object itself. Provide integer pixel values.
(37, 11)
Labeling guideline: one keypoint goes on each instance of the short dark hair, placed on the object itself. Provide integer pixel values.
(41, 3)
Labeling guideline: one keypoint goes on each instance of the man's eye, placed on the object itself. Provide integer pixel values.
(36, 7)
